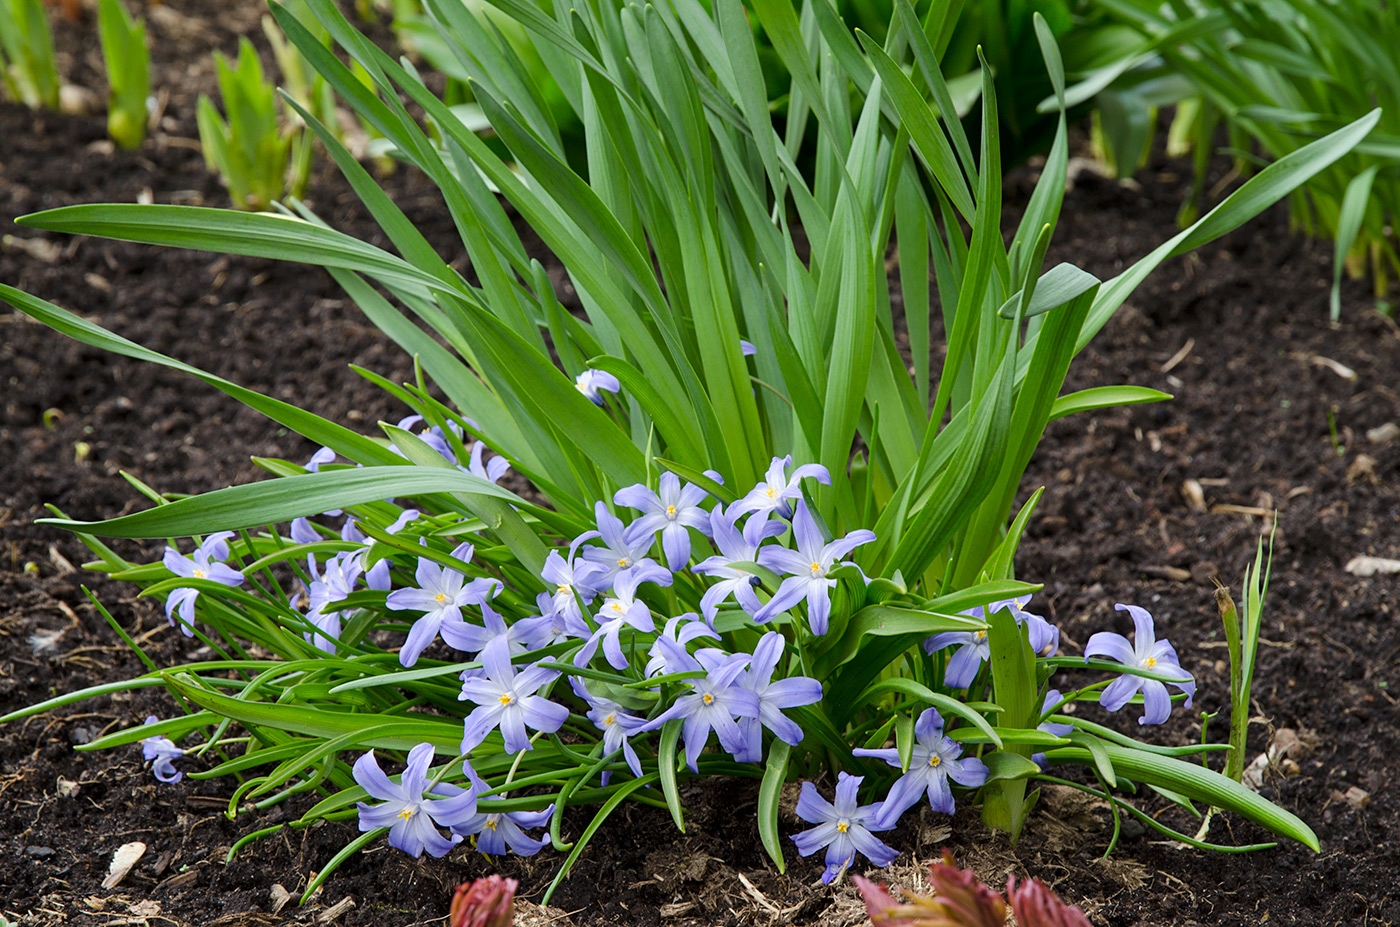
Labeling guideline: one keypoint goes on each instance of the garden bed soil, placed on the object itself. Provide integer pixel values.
(1272, 411)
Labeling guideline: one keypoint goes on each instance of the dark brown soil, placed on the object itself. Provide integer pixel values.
(1250, 423)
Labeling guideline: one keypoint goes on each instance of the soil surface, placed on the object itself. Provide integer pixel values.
(1144, 505)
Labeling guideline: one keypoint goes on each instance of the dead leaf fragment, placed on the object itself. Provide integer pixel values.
(67, 788)
(127, 855)
(1363, 468)
(280, 897)
(147, 908)
(1370, 566)
(1356, 797)
(1286, 744)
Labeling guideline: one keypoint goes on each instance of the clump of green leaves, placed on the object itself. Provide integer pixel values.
(258, 153)
(128, 73)
(27, 68)
(735, 308)
(1278, 76)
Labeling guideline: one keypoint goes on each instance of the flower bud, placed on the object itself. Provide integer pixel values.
(487, 902)
(1036, 905)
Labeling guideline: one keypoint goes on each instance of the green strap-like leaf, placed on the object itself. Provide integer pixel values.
(281, 500)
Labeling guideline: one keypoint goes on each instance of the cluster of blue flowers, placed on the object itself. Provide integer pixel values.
(596, 597)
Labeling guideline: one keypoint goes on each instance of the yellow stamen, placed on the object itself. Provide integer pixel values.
(981, 635)
(1149, 663)
(491, 821)
(610, 719)
(199, 574)
(624, 562)
(407, 813)
(707, 698)
(506, 698)
(671, 510)
(842, 826)
(440, 597)
(617, 607)
(771, 492)
(935, 761)
(564, 589)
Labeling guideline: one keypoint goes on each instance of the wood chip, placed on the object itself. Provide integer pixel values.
(1195, 496)
(1254, 510)
(1166, 572)
(280, 897)
(1179, 356)
(334, 911)
(1370, 566)
(127, 855)
(1340, 369)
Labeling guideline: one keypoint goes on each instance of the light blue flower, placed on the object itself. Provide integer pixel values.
(808, 567)
(734, 547)
(441, 594)
(615, 723)
(163, 751)
(714, 703)
(623, 609)
(791, 692)
(776, 492)
(411, 816)
(625, 547)
(495, 831)
(1145, 652)
(507, 700)
(973, 648)
(843, 828)
(668, 653)
(673, 510)
(490, 472)
(935, 759)
(1059, 729)
(590, 382)
(205, 563)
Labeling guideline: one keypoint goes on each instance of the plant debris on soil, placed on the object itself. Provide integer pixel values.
(1282, 424)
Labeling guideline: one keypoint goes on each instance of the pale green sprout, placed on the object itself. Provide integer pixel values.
(259, 155)
(128, 73)
(27, 68)
(682, 244)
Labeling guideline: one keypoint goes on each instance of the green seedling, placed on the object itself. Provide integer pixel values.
(27, 68)
(128, 73)
(258, 158)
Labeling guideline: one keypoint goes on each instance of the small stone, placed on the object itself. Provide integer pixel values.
(1357, 798)
(1383, 434)
(39, 852)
